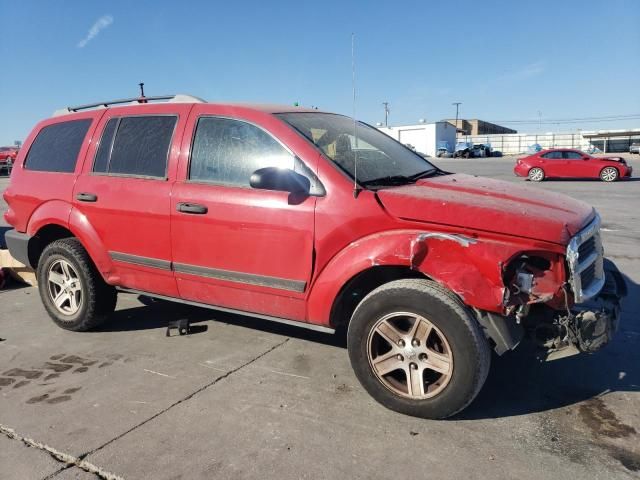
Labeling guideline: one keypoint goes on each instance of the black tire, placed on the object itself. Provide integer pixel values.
(98, 299)
(609, 174)
(470, 352)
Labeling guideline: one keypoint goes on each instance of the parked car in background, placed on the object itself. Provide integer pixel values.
(7, 158)
(463, 149)
(270, 211)
(444, 149)
(568, 163)
(634, 148)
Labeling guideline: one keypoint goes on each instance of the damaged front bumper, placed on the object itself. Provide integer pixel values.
(588, 326)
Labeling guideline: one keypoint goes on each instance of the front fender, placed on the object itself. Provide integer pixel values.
(469, 266)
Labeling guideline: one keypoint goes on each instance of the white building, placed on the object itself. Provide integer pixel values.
(424, 137)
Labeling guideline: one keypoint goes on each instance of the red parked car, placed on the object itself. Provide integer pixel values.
(7, 158)
(304, 217)
(567, 163)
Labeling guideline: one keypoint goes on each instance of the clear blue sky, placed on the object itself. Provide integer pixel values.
(503, 59)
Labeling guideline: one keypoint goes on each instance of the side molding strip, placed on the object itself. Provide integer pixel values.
(228, 275)
(138, 260)
(248, 278)
(295, 323)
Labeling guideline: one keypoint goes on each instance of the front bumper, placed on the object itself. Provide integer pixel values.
(589, 326)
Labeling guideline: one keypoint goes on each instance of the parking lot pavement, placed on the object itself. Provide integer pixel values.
(246, 399)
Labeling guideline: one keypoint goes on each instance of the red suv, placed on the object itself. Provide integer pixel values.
(308, 218)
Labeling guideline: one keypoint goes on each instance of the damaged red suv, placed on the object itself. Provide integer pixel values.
(303, 217)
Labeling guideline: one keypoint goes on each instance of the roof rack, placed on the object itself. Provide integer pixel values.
(179, 98)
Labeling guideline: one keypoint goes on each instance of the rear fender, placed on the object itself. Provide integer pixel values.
(83, 229)
(54, 212)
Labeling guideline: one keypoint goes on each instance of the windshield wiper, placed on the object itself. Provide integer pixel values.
(399, 179)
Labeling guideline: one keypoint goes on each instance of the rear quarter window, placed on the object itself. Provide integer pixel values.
(56, 147)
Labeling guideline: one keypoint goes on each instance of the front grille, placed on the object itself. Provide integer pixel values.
(588, 275)
(587, 248)
(585, 260)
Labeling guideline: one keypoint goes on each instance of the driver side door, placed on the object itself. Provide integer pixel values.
(235, 246)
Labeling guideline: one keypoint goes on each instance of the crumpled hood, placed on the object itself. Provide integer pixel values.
(490, 205)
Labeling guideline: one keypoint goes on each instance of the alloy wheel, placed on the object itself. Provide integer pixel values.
(409, 355)
(609, 174)
(536, 174)
(64, 287)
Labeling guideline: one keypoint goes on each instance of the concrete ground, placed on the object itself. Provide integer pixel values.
(246, 399)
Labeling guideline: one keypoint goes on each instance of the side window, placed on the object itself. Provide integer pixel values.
(136, 146)
(572, 155)
(228, 151)
(56, 147)
(552, 155)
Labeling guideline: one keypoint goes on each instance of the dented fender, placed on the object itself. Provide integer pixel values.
(470, 266)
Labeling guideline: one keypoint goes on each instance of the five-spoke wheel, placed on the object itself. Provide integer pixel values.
(409, 355)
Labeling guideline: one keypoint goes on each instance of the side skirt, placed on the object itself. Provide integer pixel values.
(309, 326)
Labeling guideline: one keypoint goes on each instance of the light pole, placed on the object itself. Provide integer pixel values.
(386, 113)
(457, 104)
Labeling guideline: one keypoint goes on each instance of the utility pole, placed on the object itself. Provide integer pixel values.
(457, 104)
(386, 113)
(540, 121)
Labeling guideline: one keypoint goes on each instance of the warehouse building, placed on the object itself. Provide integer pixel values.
(423, 137)
(479, 127)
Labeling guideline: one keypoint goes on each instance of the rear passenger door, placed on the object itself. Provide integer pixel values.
(124, 192)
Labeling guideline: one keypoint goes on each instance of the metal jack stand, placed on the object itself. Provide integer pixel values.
(183, 326)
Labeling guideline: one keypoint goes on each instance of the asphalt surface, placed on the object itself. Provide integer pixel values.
(245, 399)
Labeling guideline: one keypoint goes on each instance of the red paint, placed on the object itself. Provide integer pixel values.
(583, 166)
(319, 242)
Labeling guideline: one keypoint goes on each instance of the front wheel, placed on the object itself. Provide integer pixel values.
(72, 291)
(609, 174)
(417, 349)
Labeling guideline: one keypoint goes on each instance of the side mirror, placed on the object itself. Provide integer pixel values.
(280, 179)
(586, 158)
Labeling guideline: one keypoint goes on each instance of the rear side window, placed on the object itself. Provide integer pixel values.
(553, 155)
(136, 146)
(228, 151)
(56, 147)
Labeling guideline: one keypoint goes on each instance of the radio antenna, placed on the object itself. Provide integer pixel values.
(356, 189)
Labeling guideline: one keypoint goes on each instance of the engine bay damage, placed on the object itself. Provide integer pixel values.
(538, 309)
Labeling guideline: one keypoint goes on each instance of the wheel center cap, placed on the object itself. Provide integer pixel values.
(411, 354)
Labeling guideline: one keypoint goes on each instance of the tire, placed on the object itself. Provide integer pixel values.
(609, 174)
(451, 341)
(536, 174)
(66, 272)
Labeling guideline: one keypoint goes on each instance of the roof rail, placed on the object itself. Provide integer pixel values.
(178, 98)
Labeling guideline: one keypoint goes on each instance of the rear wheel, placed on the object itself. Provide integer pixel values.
(536, 174)
(417, 349)
(72, 291)
(609, 174)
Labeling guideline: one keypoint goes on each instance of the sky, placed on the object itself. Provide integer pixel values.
(504, 60)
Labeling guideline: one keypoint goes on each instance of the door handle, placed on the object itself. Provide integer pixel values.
(86, 197)
(193, 208)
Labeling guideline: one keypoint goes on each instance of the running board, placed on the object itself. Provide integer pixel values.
(309, 326)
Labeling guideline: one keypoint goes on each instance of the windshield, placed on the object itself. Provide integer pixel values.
(380, 159)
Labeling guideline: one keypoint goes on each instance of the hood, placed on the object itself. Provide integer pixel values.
(612, 159)
(490, 205)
